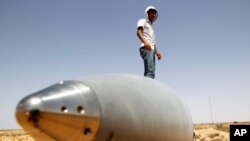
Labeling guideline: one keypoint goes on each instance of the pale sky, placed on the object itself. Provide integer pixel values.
(205, 46)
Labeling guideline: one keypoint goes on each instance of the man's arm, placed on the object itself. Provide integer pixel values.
(158, 54)
(143, 40)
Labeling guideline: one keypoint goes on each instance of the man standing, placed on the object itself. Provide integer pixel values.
(145, 33)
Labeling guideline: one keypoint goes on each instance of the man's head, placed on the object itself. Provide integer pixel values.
(151, 13)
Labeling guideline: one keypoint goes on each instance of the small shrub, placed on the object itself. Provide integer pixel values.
(212, 135)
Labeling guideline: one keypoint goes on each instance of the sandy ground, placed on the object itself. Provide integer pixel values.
(15, 135)
(211, 134)
(203, 132)
(214, 132)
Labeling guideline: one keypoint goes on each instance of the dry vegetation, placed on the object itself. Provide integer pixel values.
(15, 135)
(213, 132)
(203, 132)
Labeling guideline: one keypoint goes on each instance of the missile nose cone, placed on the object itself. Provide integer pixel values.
(28, 111)
(65, 111)
(28, 103)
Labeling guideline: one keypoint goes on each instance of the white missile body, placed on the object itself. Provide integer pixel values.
(106, 108)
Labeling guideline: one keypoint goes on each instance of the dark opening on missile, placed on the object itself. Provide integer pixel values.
(87, 131)
(34, 116)
(111, 136)
(64, 109)
(80, 110)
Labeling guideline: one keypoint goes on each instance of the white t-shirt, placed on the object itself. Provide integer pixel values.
(148, 32)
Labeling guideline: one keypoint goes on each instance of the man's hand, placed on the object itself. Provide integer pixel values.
(148, 47)
(158, 54)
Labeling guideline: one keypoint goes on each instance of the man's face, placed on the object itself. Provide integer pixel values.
(152, 15)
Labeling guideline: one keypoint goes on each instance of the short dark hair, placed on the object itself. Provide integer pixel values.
(151, 10)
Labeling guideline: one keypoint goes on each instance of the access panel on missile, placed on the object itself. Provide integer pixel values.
(119, 107)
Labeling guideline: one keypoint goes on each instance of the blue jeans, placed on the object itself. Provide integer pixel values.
(149, 62)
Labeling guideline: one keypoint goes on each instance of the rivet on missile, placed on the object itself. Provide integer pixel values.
(64, 109)
(87, 131)
(80, 110)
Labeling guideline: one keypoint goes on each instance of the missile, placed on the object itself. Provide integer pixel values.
(112, 107)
